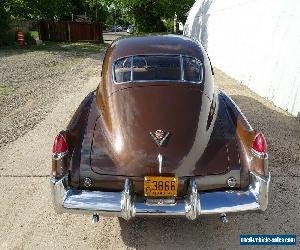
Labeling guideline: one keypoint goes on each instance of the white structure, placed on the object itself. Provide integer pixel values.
(255, 41)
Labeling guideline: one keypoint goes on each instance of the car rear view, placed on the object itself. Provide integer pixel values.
(157, 139)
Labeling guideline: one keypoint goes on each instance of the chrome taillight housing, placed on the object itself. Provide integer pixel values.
(259, 146)
(259, 151)
(60, 147)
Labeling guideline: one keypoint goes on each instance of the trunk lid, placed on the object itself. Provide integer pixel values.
(122, 144)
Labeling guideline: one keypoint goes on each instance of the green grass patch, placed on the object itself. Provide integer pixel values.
(5, 89)
(80, 48)
(77, 49)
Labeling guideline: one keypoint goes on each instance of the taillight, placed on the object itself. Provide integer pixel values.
(259, 145)
(60, 147)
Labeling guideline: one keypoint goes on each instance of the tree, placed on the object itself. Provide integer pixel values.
(148, 14)
(145, 13)
(38, 9)
(98, 9)
(181, 8)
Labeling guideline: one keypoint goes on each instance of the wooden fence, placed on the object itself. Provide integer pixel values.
(71, 31)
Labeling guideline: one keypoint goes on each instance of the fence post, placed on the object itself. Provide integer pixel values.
(69, 30)
(48, 31)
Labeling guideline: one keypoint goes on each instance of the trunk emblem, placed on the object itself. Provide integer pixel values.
(160, 136)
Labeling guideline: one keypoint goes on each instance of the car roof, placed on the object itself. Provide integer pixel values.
(156, 44)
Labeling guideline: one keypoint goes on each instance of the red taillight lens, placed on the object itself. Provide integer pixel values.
(60, 146)
(260, 144)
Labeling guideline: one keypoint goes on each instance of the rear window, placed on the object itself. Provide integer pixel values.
(123, 70)
(192, 69)
(158, 68)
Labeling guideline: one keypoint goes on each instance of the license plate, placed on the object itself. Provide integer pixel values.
(160, 186)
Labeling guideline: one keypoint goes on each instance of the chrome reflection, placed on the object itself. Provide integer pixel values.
(192, 204)
(160, 161)
(127, 208)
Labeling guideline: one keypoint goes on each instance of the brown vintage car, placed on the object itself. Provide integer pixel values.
(156, 139)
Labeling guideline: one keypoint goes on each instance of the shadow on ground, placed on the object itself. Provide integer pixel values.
(75, 49)
(283, 133)
(78, 49)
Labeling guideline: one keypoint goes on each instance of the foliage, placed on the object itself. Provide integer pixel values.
(148, 14)
(96, 10)
(34, 34)
(169, 24)
(181, 8)
(4, 20)
(38, 9)
(30, 37)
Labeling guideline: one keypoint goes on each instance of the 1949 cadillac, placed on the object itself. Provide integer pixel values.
(156, 139)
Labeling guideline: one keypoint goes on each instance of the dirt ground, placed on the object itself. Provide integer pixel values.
(40, 90)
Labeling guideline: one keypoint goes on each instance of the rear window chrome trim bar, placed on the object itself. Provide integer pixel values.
(143, 81)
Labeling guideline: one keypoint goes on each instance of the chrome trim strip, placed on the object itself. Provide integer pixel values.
(131, 70)
(258, 154)
(124, 204)
(181, 68)
(58, 156)
(160, 161)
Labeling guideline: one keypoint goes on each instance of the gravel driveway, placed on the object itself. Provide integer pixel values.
(39, 91)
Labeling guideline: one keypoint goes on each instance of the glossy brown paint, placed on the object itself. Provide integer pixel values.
(130, 111)
(73, 134)
(114, 180)
(245, 135)
(109, 136)
(175, 108)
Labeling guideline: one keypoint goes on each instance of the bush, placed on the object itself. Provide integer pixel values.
(169, 24)
(34, 34)
(30, 37)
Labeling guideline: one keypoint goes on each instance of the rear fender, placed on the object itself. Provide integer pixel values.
(245, 135)
(74, 135)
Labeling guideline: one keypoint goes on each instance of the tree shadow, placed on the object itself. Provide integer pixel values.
(283, 135)
(71, 49)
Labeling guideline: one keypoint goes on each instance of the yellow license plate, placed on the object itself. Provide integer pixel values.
(160, 186)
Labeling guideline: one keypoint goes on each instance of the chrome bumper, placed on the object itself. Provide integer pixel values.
(123, 204)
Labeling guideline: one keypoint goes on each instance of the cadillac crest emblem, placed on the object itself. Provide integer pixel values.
(159, 136)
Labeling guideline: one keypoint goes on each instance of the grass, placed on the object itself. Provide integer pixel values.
(78, 49)
(5, 89)
(74, 47)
